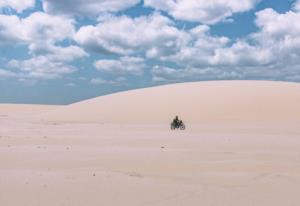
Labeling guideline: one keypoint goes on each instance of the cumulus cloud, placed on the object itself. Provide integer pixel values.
(207, 12)
(273, 52)
(297, 5)
(11, 29)
(71, 84)
(65, 54)
(276, 44)
(18, 5)
(241, 54)
(38, 28)
(163, 74)
(98, 81)
(278, 25)
(6, 74)
(86, 7)
(41, 67)
(50, 66)
(42, 26)
(155, 35)
(279, 33)
(41, 32)
(121, 81)
(122, 66)
(200, 48)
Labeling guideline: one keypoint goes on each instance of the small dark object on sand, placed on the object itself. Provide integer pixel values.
(177, 124)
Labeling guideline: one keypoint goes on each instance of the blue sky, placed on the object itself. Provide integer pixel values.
(59, 52)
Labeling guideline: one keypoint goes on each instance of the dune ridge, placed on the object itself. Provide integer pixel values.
(198, 102)
(124, 163)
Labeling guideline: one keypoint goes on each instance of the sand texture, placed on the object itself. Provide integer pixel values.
(241, 148)
(206, 102)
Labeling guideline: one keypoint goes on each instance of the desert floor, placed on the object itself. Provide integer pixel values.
(48, 164)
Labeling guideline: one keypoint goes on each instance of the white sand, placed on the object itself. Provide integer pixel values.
(206, 102)
(248, 156)
(19, 109)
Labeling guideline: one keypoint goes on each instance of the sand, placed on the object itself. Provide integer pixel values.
(71, 155)
(205, 102)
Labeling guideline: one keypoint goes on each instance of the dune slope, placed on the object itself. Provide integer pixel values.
(200, 102)
(24, 109)
(240, 164)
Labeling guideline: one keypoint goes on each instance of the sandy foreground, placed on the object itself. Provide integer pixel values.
(58, 155)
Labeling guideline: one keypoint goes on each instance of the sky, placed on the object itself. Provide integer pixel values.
(64, 51)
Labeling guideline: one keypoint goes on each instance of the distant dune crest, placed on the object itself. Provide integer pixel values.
(200, 102)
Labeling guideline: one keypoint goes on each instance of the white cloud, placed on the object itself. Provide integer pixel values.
(279, 33)
(71, 84)
(7, 74)
(50, 66)
(66, 54)
(121, 81)
(122, 66)
(41, 32)
(276, 45)
(168, 74)
(271, 53)
(41, 67)
(241, 54)
(11, 29)
(42, 26)
(296, 5)
(99, 81)
(37, 29)
(200, 48)
(86, 7)
(277, 25)
(18, 5)
(154, 34)
(207, 12)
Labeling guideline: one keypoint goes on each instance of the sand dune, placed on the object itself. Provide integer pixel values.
(16, 109)
(201, 102)
(241, 148)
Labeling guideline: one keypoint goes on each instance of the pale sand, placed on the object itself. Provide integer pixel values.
(19, 109)
(206, 102)
(47, 160)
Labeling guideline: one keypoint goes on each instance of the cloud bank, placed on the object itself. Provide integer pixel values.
(91, 8)
(18, 5)
(207, 12)
(117, 44)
